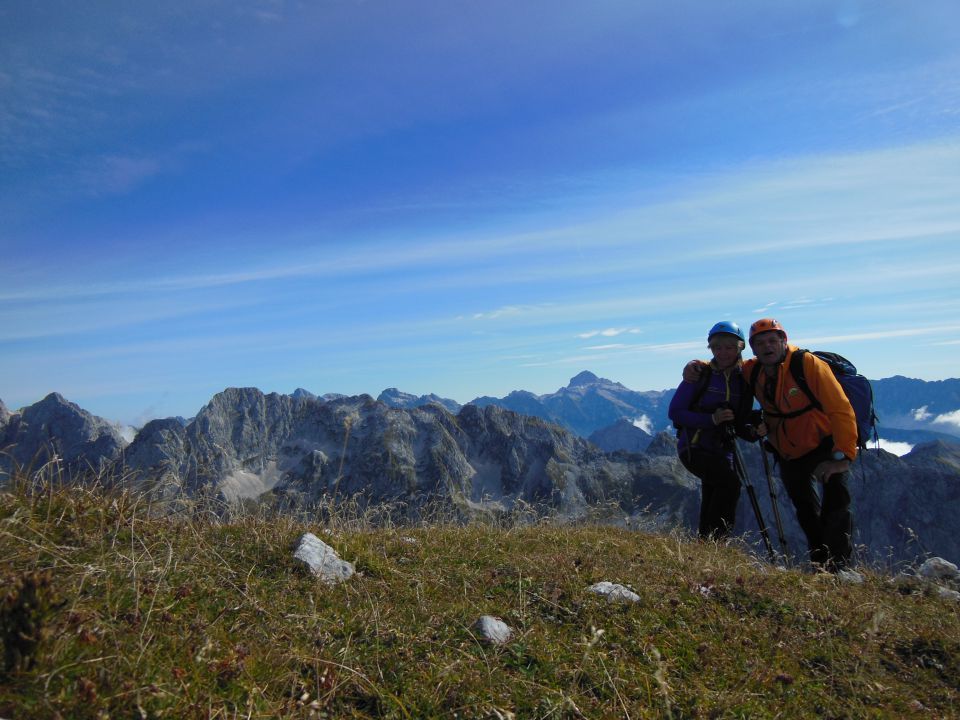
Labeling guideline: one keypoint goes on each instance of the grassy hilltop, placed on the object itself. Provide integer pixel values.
(110, 611)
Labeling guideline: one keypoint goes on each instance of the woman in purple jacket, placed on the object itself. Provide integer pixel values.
(704, 413)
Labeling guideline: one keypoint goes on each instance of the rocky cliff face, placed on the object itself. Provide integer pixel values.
(910, 502)
(57, 428)
(622, 435)
(244, 443)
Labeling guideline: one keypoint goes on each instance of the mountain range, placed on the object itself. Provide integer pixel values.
(524, 452)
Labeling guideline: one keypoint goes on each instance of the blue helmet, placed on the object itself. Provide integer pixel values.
(727, 327)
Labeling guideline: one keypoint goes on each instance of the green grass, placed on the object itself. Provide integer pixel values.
(111, 611)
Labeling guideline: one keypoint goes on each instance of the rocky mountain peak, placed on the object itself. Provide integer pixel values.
(56, 427)
(664, 444)
(584, 378)
(945, 453)
(395, 398)
(398, 399)
(621, 435)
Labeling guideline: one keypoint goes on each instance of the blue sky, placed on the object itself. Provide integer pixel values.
(464, 197)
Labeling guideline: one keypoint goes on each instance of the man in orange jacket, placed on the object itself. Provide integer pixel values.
(813, 445)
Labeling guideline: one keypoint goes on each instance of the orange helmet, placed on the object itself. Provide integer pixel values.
(766, 325)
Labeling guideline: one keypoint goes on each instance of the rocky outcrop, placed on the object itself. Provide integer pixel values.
(909, 503)
(54, 428)
(231, 448)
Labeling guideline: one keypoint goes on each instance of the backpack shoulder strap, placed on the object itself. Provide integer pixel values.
(702, 383)
(754, 375)
(799, 374)
(746, 398)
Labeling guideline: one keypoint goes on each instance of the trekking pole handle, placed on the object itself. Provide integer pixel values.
(723, 415)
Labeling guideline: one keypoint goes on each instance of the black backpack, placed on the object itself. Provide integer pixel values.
(856, 387)
(702, 382)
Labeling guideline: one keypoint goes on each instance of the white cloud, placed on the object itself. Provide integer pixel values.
(920, 414)
(897, 448)
(612, 346)
(950, 418)
(128, 432)
(644, 423)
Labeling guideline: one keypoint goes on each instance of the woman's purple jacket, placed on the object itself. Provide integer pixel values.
(696, 428)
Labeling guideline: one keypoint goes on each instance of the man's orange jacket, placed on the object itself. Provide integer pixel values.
(797, 436)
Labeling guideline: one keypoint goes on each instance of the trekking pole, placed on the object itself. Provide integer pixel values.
(773, 499)
(751, 492)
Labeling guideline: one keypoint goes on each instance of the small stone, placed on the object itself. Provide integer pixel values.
(851, 577)
(493, 629)
(322, 560)
(947, 593)
(937, 568)
(614, 592)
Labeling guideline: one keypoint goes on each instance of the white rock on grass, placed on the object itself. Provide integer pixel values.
(322, 560)
(947, 593)
(493, 629)
(614, 592)
(851, 577)
(936, 568)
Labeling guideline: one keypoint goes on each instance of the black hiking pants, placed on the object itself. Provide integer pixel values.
(826, 521)
(719, 491)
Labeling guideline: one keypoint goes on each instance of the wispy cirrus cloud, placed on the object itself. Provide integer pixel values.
(884, 334)
(609, 332)
(511, 311)
(117, 174)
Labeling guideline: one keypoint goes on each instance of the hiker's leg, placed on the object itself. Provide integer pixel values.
(719, 492)
(837, 520)
(695, 462)
(706, 497)
(797, 479)
(726, 494)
